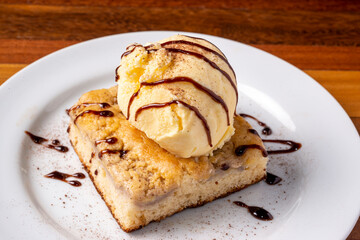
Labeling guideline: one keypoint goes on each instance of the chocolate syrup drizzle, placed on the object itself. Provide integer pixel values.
(134, 45)
(109, 151)
(111, 140)
(257, 212)
(272, 179)
(294, 146)
(64, 176)
(222, 55)
(266, 130)
(206, 90)
(211, 63)
(199, 46)
(239, 151)
(102, 105)
(214, 96)
(130, 51)
(197, 55)
(99, 113)
(54, 145)
(206, 41)
(116, 75)
(192, 108)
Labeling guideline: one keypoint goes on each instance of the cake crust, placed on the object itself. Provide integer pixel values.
(138, 179)
(198, 204)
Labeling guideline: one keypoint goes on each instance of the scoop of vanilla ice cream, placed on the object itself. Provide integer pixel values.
(181, 92)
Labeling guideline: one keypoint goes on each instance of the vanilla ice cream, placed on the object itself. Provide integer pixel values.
(181, 92)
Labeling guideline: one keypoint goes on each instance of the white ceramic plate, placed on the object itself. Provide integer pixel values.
(318, 198)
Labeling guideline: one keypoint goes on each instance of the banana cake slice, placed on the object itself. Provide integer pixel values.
(141, 182)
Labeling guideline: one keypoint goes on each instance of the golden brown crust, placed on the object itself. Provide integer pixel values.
(198, 204)
(144, 157)
(110, 207)
(145, 171)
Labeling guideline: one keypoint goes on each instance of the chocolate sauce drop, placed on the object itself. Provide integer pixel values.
(40, 140)
(104, 105)
(240, 150)
(294, 146)
(58, 148)
(109, 151)
(192, 108)
(272, 179)
(266, 130)
(99, 113)
(64, 176)
(224, 167)
(257, 212)
(111, 140)
(78, 175)
(122, 153)
(36, 139)
(74, 183)
(253, 131)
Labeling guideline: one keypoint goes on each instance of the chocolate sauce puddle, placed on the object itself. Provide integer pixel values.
(64, 176)
(266, 130)
(41, 141)
(257, 212)
(200, 87)
(294, 146)
(192, 108)
(272, 179)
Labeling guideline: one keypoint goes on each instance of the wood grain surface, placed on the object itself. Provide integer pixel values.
(293, 27)
(320, 37)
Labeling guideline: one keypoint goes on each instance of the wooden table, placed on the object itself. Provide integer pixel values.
(320, 37)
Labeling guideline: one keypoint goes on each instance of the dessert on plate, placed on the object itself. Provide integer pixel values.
(167, 137)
